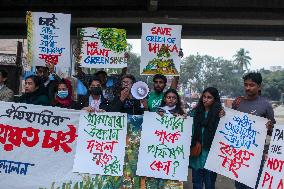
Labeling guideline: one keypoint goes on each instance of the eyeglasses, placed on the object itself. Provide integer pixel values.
(171, 97)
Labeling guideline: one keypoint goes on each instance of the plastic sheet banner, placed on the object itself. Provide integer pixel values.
(37, 145)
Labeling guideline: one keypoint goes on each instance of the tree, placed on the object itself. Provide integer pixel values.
(208, 71)
(242, 59)
(273, 84)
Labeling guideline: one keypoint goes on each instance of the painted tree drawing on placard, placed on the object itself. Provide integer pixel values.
(162, 65)
(113, 39)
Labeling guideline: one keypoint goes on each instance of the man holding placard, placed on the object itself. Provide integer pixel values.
(155, 97)
(253, 103)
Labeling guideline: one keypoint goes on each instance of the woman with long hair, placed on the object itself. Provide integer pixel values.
(205, 122)
(171, 103)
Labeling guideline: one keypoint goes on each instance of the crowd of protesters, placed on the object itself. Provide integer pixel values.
(106, 94)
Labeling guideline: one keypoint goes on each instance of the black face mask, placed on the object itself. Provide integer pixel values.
(95, 91)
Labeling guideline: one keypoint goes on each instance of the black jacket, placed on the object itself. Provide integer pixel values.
(209, 124)
(129, 106)
(37, 97)
(83, 101)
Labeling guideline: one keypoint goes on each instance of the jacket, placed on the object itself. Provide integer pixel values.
(37, 98)
(129, 106)
(84, 102)
(6, 94)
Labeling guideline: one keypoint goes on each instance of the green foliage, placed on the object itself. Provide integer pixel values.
(164, 52)
(273, 84)
(200, 72)
(114, 39)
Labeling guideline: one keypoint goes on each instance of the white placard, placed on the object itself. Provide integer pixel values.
(101, 144)
(273, 173)
(160, 47)
(49, 39)
(164, 147)
(102, 48)
(237, 148)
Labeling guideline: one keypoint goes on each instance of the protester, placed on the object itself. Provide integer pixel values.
(6, 94)
(63, 95)
(125, 102)
(255, 104)
(205, 122)
(107, 85)
(49, 80)
(34, 93)
(155, 97)
(171, 104)
(94, 101)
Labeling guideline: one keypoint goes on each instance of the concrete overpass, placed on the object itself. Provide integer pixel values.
(217, 19)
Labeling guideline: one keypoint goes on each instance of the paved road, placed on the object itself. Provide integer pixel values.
(224, 182)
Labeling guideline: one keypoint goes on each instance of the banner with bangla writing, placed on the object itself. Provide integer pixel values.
(49, 39)
(37, 145)
(164, 147)
(102, 48)
(160, 49)
(101, 143)
(237, 148)
(273, 170)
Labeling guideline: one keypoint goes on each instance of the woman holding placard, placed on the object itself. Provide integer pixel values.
(171, 104)
(205, 122)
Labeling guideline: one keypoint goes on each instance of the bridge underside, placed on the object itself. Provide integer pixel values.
(222, 19)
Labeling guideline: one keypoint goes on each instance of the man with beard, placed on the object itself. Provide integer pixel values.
(155, 97)
(255, 104)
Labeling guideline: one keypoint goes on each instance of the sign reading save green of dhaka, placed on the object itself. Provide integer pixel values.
(160, 47)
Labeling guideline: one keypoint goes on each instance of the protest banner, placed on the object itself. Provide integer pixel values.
(101, 143)
(160, 47)
(37, 145)
(237, 148)
(129, 178)
(272, 173)
(164, 147)
(102, 48)
(48, 39)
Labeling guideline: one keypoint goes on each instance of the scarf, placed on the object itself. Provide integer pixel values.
(66, 102)
(95, 104)
(168, 109)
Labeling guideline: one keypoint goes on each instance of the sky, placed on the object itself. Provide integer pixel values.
(263, 53)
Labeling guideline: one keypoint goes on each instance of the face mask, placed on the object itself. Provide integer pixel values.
(96, 90)
(62, 94)
(51, 77)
